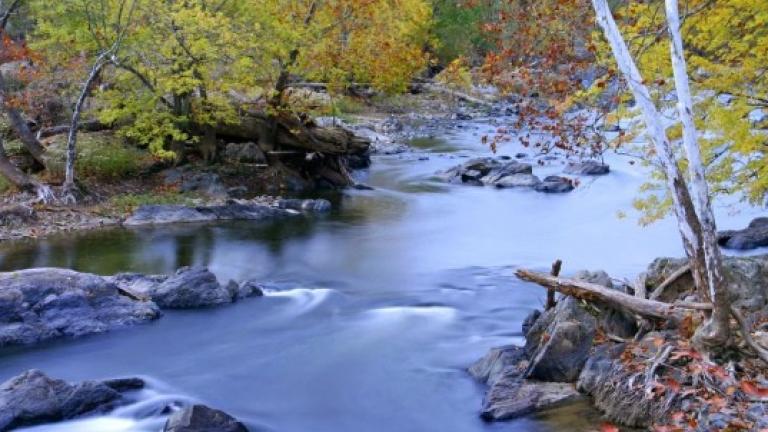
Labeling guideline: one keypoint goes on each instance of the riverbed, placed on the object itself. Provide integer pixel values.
(374, 311)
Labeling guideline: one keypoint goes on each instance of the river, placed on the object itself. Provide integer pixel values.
(375, 310)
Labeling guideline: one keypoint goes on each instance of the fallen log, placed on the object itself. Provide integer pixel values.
(88, 126)
(598, 293)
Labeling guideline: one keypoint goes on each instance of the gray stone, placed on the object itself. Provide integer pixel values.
(33, 398)
(507, 400)
(613, 321)
(746, 276)
(755, 235)
(47, 303)
(498, 363)
(16, 215)
(529, 320)
(250, 288)
(555, 184)
(559, 341)
(191, 287)
(166, 214)
(588, 167)
(517, 180)
(200, 418)
(248, 152)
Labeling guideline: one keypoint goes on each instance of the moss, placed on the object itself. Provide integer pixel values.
(100, 156)
(127, 203)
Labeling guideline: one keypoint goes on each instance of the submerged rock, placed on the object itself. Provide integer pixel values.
(588, 167)
(200, 418)
(47, 303)
(755, 235)
(166, 214)
(502, 173)
(33, 398)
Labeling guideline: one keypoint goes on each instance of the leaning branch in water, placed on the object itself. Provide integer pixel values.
(598, 293)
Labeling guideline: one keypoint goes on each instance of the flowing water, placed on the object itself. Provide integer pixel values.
(375, 310)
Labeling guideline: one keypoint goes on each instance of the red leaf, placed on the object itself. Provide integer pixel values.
(608, 427)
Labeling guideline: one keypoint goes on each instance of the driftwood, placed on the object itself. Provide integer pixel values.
(598, 293)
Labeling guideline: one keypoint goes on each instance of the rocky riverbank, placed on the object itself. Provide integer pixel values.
(33, 398)
(638, 373)
(42, 304)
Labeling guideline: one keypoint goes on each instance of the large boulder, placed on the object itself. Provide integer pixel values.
(558, 343)
(746, 277)
(200, 418)
(587, 168)
(47, 303)
(191, 287)
(34, 398)
(755, 235)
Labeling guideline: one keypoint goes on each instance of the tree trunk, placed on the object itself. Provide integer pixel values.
(69, 173)
(20, 179)
(688, 222)
(717, 330)
(19, 125)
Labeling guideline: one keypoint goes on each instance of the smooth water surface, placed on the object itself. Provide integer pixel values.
(376, 310)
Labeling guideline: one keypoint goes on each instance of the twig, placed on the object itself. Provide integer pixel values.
(677, 274)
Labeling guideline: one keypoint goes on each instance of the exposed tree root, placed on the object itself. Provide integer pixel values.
(677, 274)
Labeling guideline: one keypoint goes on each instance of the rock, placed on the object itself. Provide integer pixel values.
(507, 400)
(755, 235)
(491, 172)
(530, 320)
(248, 152)
(462, 116)
(746, 276)
(16, 215)
(166, 214)
(200, 418)
(205, 183)
(498, 363)
(33, 398)
(191, 287)
(308, 205)
(555, 184)
(559, 341)
(509, 395)
(613, 321)
(517, 180)
(607, 380)
(46, 303)
(588, 167)
(521, 155)
(250, 288)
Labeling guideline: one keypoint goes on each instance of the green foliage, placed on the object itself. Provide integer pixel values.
(458, 30)
(128, 203)
(100, 156)
(180, 63)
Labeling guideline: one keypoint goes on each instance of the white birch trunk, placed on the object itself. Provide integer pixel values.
(686, 217)
(697, 178)
(69, 175)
